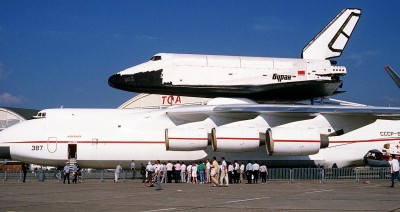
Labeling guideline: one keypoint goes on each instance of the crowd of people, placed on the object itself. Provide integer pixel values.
(219, 173)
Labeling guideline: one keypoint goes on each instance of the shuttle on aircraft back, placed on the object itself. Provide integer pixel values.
(256, 78)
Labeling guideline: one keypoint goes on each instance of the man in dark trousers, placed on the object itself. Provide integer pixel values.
(66, 172)
(249, 172)
(143, 173)
(24, 168)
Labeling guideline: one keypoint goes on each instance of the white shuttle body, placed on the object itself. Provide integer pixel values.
(256, 78)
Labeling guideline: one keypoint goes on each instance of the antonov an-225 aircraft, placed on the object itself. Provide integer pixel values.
(238, 129)
(262, 79)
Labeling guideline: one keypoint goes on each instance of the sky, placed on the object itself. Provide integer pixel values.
(57, 53)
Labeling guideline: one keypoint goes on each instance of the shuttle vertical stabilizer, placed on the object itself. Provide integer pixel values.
(332, 40)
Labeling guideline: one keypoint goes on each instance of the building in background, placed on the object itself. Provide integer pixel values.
(156, 101)
(10, 116)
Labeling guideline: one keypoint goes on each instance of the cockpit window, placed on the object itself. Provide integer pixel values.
(40, 115)
(155, 58)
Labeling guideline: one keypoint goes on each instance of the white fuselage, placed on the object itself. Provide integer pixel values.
(195, 69)
(102, 138)
(257, 78)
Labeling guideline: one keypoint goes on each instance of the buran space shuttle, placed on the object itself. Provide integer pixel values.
(315, 75)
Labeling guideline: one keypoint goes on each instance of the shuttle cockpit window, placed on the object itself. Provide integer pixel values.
(155, 58)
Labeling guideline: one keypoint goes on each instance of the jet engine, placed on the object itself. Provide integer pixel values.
(186, 139)
(292, 142)
(235, 139)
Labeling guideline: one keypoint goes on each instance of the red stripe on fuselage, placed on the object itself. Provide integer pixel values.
(88, 142)
(226, 138)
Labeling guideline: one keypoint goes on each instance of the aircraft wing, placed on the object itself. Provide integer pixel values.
(310, 109)
(251, 110)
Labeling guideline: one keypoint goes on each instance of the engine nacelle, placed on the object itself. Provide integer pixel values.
(235, 139)
(186, 139)
(292, 142)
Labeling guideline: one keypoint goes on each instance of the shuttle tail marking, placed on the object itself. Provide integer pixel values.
(331, 41)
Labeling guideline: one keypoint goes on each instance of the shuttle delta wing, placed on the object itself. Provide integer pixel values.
(332, 40)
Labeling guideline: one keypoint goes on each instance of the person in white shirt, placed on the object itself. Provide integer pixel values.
(249, 172)
(194, 172)
(263, 173)
(256, 170)
(157, 172)
(169, 172)
(149, 173)
(118, 170)
(224, 173)
(177, 167)
(66, 172)
(241, 173)
(163, 172)
(236, 172)
(183, 173)
(189, 173)
(208, 171)
(394, 169)
(230, 172)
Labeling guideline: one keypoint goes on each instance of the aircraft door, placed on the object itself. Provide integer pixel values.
(52, 144)
(72, 151)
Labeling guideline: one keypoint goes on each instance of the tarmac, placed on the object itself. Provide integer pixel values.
(132, 195)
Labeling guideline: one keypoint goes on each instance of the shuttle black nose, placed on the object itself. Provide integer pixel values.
(5, 152)
(137, 82)
(115, 81)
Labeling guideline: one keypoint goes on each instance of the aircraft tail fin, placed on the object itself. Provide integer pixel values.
(393, 75)
(332, 40)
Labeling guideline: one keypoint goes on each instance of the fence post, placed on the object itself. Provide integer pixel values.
(58, 175)
(82, 175)
(357, 177)
(102, 175)
(290, 176)
(5, 175)
(322, 171)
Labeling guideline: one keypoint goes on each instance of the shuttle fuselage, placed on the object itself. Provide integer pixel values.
(257, 78)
